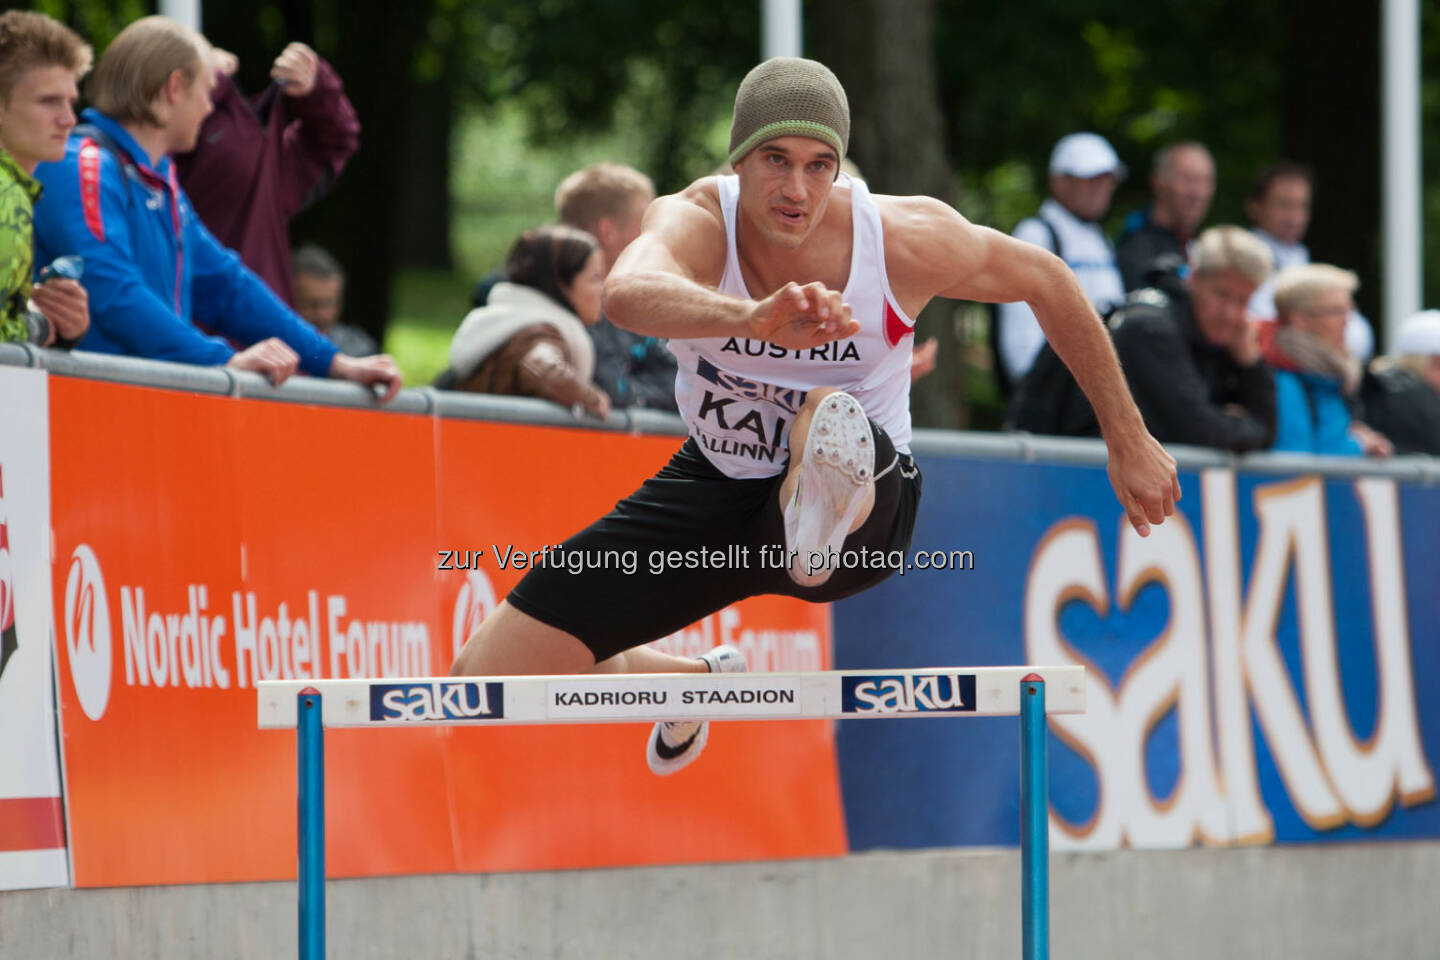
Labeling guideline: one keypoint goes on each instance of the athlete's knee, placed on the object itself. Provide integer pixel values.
(470, 655)
(467, 653)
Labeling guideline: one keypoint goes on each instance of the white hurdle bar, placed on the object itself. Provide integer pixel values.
(308, 706)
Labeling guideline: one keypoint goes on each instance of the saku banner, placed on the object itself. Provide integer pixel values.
(32, 819)
(1261, 668)
(205, 543)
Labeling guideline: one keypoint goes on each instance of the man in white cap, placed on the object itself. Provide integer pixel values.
(1400, 395)
(788, 294)
(1084, 171)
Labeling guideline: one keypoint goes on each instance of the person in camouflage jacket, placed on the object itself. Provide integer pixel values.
(41, 62)
(18, 193)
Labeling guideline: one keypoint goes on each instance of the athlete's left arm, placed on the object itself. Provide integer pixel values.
(931, 250)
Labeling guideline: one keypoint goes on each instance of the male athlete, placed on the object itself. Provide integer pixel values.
(788, 292)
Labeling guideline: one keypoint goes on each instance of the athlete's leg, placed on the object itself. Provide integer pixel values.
(512, 643)
(829, 488)
(649, 660)
(799, 433)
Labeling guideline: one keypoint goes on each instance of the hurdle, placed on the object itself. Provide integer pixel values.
(309, 706)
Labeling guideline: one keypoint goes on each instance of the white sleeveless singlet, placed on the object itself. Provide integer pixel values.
(739, 396)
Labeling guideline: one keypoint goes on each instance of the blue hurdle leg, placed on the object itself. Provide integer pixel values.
(1034, 822)
(311, 751)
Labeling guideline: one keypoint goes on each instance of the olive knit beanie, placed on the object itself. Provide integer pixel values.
(789, 97)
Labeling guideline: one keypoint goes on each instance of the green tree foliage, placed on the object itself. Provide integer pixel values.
(1254, 79)
(96, 20)
(1016, 78)
(572, 63)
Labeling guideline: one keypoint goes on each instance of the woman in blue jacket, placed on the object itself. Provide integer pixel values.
(1316, 376)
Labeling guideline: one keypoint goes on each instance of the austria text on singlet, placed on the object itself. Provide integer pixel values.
(739, 396)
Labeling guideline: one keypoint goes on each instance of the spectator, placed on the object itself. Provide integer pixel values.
(530, 338)
(1278, 204)
(260, 161)
(1400, 395)
(1191, 356)
(608, 201)
(320, 298)
(41, 61)
(1184, 183)
(1084, 171)
(1316, 376)
(153, 272)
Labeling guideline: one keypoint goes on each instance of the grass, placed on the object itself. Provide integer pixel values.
(427, 306)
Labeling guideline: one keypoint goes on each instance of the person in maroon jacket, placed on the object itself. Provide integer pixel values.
(261, 160)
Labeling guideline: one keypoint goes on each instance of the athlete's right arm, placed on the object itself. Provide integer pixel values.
(664, 285)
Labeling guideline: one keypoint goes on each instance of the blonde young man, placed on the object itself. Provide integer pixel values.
(788, 292)
(41, 61)
(160, 285)
(608, 201)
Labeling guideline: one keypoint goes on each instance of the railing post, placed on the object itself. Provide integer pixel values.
(311, 752)
(1034, 822)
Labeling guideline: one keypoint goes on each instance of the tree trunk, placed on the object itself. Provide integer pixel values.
(359, 221)
(883, 51)
(1332, 124)
(423, 237)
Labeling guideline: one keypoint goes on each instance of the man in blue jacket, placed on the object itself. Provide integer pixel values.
(160, 285)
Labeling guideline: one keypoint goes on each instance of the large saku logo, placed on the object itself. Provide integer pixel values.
(1219, 667)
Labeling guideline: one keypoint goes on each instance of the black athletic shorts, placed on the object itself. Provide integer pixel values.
(692, 540)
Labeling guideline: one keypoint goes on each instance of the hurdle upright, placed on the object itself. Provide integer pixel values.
(1032, 693)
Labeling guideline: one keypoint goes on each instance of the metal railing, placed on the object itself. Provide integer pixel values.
(428, 401)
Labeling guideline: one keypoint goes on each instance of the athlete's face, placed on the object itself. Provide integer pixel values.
(785, 186)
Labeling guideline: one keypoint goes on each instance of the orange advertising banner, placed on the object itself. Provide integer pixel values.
(203, 543)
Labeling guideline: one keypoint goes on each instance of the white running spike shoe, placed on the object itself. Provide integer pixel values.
(837, 471)
(674, 745)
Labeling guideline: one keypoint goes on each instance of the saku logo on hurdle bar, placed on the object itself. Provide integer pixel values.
(441, 700)
(908, 693)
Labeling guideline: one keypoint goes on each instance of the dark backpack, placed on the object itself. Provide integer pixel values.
(997, 363)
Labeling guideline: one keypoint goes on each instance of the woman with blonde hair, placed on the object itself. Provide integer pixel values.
(1317, 378)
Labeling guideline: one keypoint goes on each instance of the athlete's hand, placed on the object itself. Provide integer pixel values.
(797, 317)
(1144, 478)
